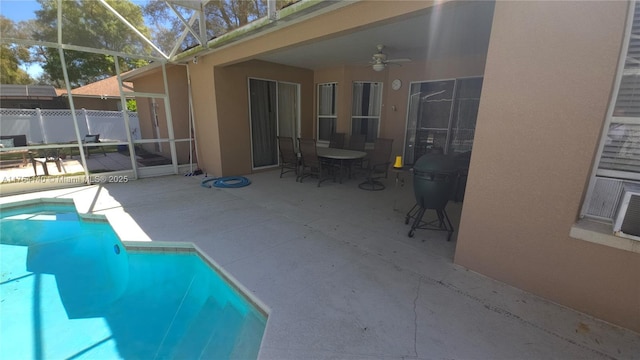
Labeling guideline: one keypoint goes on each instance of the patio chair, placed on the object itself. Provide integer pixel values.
(44, 157)
(378, 163)
(288, 157)
(336, 140)
(92, 139)
(357, 142)
(311, 164)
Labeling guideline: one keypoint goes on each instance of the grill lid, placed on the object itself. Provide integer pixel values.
(435, 163)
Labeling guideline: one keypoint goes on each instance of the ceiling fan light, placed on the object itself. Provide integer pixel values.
(378, 67)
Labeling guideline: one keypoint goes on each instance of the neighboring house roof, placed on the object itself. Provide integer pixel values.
(104, 88)
(27, 91)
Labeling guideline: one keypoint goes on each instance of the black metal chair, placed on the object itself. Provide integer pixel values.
(336, 140)
(357, 142)
(288, 157)
(377, 163)
(311, 164)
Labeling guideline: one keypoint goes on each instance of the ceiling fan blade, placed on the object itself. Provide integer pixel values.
(397, 60)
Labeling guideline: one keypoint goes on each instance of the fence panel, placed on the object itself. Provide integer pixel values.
(22, 122)
(56, 126)
(109, 124)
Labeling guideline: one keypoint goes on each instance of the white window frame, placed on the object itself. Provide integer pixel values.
(616, 178)
(604, 196)
(320, 117)
(367, 117)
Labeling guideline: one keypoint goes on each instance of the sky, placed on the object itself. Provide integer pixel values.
(18, 10)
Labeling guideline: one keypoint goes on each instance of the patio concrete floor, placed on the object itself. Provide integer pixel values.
(340, 275)
(110, 161)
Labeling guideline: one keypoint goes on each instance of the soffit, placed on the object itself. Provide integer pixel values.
(443, 32)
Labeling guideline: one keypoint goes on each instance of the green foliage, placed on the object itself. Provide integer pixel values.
(12, 56)
(222, 16)
(90, 24)
(132, 105)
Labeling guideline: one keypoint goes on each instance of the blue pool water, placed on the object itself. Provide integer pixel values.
(70, 289)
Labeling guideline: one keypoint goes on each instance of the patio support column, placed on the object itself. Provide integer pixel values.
(41, 122)
(72, 107)
(86, 120)
(167, 109)
(127, 121)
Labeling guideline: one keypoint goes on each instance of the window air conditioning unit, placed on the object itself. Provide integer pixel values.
(627, 220)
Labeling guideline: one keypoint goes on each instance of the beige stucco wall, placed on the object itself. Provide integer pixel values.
(548, 80)
(231, 116)
(221, 105)
(232, 98)
(393, 119)
(152, 82)
(212, 102)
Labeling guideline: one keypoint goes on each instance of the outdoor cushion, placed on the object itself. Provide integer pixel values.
(91, 138)
(6, 143)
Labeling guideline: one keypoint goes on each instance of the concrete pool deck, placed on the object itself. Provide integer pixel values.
(340, 275)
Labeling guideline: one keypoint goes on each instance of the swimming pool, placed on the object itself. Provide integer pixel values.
(69, 288)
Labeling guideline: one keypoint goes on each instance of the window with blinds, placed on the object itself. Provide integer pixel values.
(621, 152)
(618, 165)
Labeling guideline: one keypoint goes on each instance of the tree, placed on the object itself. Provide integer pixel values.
(221, 16)
(12, 56)
(89, 24)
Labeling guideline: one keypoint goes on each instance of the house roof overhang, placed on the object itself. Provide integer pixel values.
(413, 29)
(408, 29)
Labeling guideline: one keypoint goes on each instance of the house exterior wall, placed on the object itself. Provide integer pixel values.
(209, 70)
(94, 103)
(393, 119)
(206, 116)
(152, 82)
(548, 81)
(232, 97)
(548, 78)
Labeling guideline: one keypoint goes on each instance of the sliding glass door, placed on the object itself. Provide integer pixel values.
(288, 111)
(274, 110)
(442, 117)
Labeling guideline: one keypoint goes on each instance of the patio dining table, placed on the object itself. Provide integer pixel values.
(342, 156)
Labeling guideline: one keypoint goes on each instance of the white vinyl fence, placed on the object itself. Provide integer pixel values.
(56, 126)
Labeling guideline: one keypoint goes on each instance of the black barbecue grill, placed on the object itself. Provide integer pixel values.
(434, 176)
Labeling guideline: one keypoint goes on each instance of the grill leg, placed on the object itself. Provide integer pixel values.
(410, 214)
(441, 219)
(416, 221)
(417, 212)
(450, 226)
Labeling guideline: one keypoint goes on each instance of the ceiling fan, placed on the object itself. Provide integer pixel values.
(379, 60)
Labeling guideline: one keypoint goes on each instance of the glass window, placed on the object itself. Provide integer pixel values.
(618, 164)
(327, 115)
(365, 109)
